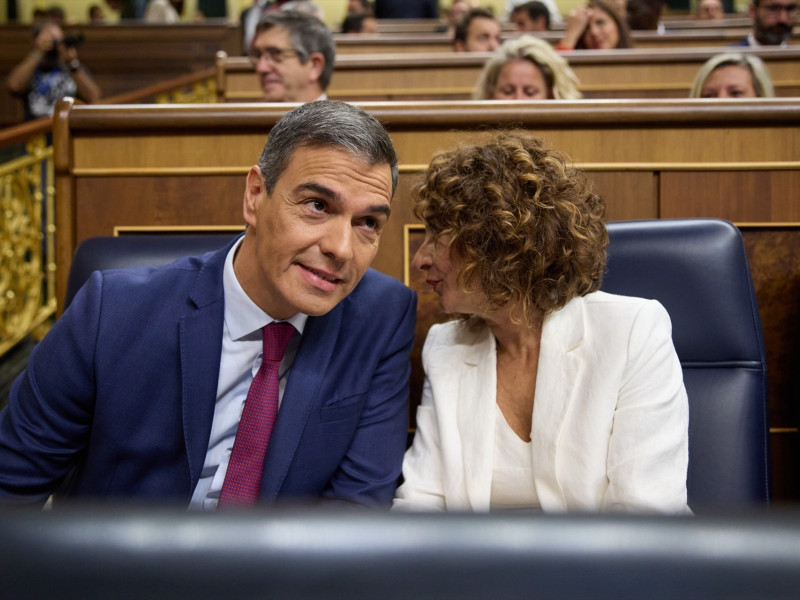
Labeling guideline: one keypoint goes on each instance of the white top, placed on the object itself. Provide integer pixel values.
(512, 469)
(610, 420)
(242, 346)
(161, 11)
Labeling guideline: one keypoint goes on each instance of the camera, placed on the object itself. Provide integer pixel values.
(73, 39)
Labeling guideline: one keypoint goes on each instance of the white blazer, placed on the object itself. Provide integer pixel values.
(610, 414)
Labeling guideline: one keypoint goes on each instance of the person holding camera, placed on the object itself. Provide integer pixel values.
(51, 71)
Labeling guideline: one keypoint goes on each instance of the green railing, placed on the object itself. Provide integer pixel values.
(27, 211)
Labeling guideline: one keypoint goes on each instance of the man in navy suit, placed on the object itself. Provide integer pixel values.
(773, 21)
(137, 391)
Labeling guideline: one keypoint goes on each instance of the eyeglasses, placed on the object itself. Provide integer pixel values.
(276, 55)
(776, 9)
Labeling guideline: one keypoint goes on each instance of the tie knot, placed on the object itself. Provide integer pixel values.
(276, 336)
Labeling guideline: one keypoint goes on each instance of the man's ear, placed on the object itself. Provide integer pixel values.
(458, 46)
(751, 10)
(317, 62)
(253, 194)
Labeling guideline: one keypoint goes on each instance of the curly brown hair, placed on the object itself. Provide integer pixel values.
(526, 227)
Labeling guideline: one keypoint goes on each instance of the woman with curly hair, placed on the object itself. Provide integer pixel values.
(527, 68)
(545, 393)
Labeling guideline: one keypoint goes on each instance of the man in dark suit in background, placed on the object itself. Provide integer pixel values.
(531, 16)
(406, 9)
(137, 391)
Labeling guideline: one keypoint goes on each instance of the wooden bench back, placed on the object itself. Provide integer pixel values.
(126, 169)
(437, 76)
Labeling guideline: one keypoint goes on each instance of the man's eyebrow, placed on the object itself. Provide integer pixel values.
(334, 197)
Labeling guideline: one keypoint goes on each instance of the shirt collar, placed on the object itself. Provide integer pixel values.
(752, 41)
(242, 315)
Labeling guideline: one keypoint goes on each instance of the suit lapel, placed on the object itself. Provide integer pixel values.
(200, 334)
(560, 372)
(300, 396)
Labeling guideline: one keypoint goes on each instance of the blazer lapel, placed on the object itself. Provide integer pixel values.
(300, 396)
(560, 370)
(200, 348)
(475, 387)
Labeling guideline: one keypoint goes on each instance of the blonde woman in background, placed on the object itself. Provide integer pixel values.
(527, 68)
(733, 75)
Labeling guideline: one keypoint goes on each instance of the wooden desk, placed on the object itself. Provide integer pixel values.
(122, 169)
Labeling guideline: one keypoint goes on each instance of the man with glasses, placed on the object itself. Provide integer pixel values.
(293, 54)
(772, 22)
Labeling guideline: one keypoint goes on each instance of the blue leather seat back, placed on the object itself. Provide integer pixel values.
(697, 268)
(145, 250)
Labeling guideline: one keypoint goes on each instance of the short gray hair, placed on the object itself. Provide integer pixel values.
(762, 83)
(326, 123)
(307, 34)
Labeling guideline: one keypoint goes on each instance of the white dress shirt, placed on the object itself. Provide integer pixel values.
(242, 347)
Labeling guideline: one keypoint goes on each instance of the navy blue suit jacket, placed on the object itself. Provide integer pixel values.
(406, 9)
(118, 399)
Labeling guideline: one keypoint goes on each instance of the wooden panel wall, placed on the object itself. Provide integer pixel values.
(169, 167)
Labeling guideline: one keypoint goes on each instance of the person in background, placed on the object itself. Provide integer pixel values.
(773, 21)
(55, 14)
(733, 75)
(555, 14)
(51, 71)
(293, 54)
(527, 68)
(595, 26)
(544, 394)
(96, 15)
(360, 7)
(644, 15)
(163, 11)
(709, 10)
(145, 390)
(458, 10)
(531, 16)
(478, 31)
(359, 23)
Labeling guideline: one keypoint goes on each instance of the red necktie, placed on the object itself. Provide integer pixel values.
(243, 479)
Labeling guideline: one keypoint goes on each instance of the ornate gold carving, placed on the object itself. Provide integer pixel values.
(203, 91)
(27, 246)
